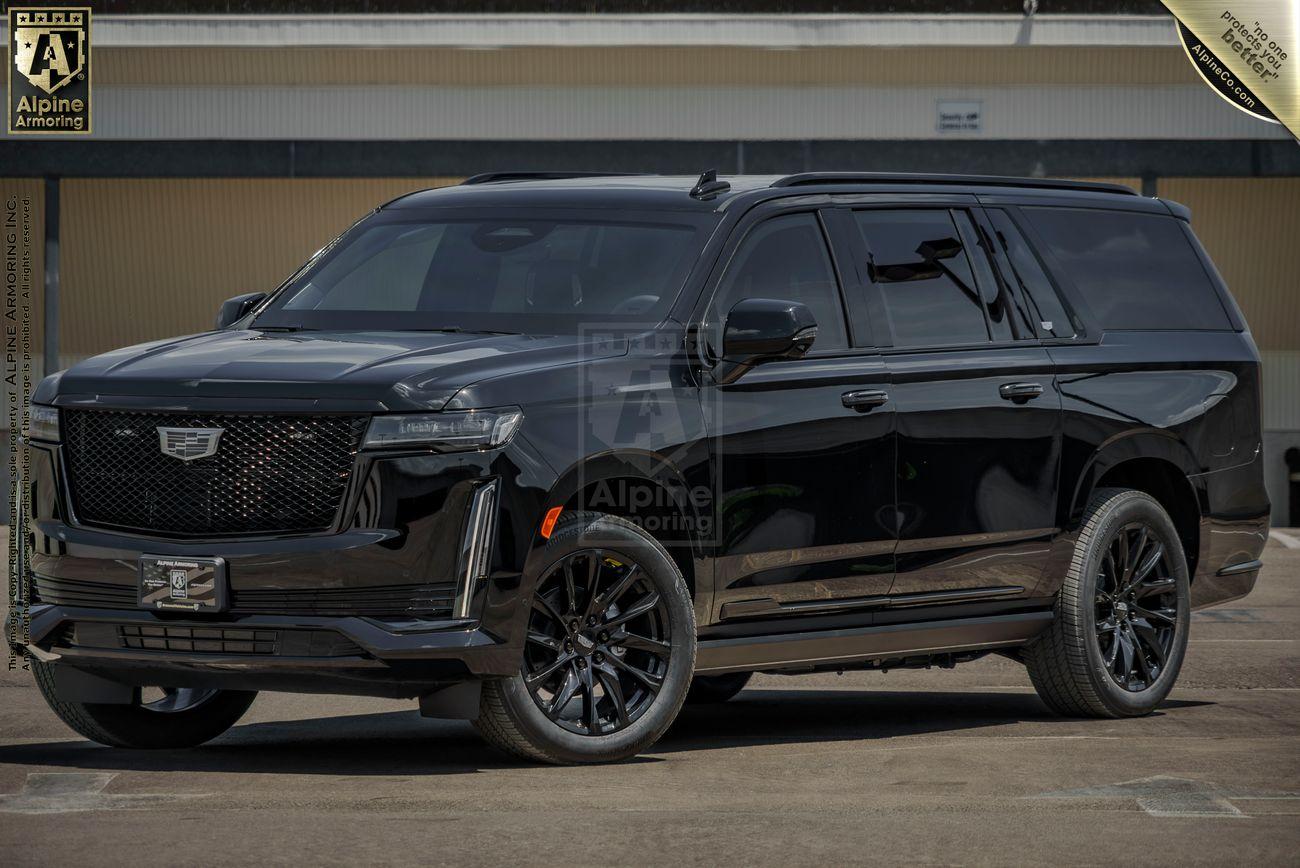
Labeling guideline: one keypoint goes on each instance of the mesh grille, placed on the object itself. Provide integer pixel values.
(270, 474)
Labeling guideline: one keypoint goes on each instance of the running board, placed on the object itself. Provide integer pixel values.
(821, 647)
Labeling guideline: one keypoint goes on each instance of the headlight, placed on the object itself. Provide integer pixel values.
(44, 423)
(446, 432)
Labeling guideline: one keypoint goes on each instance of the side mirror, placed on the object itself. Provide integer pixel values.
(762, 330)
(234, 309)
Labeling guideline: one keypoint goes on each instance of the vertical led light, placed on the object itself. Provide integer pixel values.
(476, 552)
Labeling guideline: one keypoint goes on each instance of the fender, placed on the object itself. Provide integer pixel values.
(668, 481)
(1157, 443)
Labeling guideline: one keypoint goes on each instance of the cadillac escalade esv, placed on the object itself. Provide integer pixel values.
(559, 453)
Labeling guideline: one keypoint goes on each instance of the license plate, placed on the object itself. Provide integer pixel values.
(182, 584)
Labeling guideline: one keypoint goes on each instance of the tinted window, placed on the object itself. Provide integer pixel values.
(919, 263)
(1134, 271)
(785, 258)
(491, 274)
(1024, 267)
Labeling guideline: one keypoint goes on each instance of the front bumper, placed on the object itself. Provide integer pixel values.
(351, 655)
(381, 605)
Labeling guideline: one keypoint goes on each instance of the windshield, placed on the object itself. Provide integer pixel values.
(493, 273)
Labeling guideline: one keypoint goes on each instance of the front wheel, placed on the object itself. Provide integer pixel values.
(1122, 615)
(608, 654)
(156, 718)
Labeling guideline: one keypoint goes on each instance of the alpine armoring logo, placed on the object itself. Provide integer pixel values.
(49, 72)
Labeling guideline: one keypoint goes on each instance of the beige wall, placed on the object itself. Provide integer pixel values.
(647, 66)
(1252, 229)
(144, 259)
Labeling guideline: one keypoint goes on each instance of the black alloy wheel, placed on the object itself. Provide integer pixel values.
(1136, 607)
(1121, 617)
(598, 645)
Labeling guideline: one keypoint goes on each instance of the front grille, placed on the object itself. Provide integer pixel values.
(431, 600)
(207, 640)
(270, 473)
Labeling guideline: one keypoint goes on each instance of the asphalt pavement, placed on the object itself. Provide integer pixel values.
(933, 767)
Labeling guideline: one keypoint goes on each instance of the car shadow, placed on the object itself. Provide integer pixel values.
(401, 743)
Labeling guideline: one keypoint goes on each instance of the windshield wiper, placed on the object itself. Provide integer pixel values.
(282, 329)
(457, 330)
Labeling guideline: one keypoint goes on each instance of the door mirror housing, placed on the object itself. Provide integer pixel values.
(762, 330)
(234, 309)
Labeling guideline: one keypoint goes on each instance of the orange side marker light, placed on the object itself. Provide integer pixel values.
(548, 523)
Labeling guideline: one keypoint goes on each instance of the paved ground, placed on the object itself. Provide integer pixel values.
(947, 767)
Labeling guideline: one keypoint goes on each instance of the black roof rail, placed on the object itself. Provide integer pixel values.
(491, 177)
(809, 179)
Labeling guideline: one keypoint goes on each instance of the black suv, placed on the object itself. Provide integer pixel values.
(559, 453)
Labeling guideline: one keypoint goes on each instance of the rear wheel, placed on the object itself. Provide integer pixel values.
(1122, 615)
(157, 718)
(609, 651)
(707, 689)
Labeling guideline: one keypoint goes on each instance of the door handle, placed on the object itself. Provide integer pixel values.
(863, 401)
(1020, 392)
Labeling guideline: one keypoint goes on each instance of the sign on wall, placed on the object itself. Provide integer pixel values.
(960, 116)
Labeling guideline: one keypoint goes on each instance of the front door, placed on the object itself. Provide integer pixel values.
(803, 450)
(979, 416)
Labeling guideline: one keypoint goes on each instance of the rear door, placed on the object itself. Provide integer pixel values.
(978, 413)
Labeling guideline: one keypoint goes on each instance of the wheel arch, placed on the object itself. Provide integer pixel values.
(647, 489)
(1158, 464)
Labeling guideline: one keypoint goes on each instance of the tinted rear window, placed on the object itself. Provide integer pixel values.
(1135, 271)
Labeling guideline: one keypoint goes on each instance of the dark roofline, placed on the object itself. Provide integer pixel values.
(810, 179)
(493, 177)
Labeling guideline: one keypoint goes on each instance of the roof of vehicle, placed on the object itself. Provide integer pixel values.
(702, 193)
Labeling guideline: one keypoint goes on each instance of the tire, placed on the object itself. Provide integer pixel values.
(711, 689)
(545, 712)
(205, 716)
(1102, 655)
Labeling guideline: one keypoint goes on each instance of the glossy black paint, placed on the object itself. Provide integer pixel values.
(817, 497)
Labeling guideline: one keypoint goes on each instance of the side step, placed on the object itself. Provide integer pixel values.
(796, 650)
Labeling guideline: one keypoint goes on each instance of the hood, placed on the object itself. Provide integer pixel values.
(374, 371)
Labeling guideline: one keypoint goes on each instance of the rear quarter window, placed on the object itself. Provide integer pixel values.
(1134, 271)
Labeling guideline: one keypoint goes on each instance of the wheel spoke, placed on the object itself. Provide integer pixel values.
(1108, 570)
(1126, 652)
(544, 640)
(547, 608)
(651, 681)
(614, 690)
(633, 642)
(1150, 561)
(1169, 616)
(612, 594)
(1144, 569)
(570, 587)
(1157, 586)
(636, 610)
(590, 715)
(1149, 637)
(1134, 553)
(539, 677)
(1113, 653)
(564, 695)
(1120, 560)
